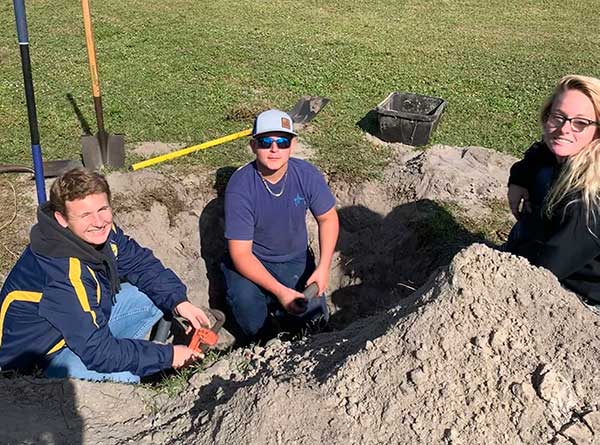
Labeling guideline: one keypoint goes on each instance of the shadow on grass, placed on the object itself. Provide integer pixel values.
(369, 123)
(85, 126)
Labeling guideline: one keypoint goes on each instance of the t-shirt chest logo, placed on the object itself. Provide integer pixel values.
(298, 200)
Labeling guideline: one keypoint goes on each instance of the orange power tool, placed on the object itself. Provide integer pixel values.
(200, 340)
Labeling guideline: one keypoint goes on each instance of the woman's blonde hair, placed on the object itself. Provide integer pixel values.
(580, 175)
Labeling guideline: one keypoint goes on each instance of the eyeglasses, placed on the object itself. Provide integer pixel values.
(578, 124)
(266, 142)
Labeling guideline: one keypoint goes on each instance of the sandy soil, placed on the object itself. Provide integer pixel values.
(487, 349)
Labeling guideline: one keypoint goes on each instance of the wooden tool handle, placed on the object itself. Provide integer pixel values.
(91, 47)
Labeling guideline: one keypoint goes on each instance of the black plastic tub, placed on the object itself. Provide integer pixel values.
(409, 118)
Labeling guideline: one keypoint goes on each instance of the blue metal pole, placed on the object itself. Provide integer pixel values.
(36, 150)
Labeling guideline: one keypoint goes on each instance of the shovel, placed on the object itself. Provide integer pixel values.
(40, 169)
(103, 148)
(304, 111)
(51, 169)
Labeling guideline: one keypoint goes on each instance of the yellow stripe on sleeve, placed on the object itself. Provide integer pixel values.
(75, 278)
(93, 274)
(17, 295)
(56, 347)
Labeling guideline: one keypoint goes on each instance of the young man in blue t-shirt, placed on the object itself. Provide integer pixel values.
(269, 262)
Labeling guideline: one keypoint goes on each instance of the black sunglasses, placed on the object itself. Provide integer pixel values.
(267, 141)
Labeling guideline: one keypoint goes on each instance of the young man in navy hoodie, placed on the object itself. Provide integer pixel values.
(269, 264)
(83, 295)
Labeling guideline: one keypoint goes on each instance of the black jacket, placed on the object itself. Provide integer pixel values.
(566, 243)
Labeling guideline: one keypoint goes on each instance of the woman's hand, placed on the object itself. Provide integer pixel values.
(518, 200)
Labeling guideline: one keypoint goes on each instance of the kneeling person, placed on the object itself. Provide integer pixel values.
(64, 309)
(265, 224)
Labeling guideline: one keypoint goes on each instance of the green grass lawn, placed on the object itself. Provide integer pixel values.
(189, 71)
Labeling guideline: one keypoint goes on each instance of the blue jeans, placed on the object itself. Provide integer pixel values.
(254, 309)
(132, 316)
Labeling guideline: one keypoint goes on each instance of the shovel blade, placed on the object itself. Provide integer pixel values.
(115, 151)
(94, 157)
(52, 169)
(91, 153)
(307, 108)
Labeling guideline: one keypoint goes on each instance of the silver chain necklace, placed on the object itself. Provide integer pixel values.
(271, 192)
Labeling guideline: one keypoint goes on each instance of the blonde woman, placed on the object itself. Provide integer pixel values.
(554, 192)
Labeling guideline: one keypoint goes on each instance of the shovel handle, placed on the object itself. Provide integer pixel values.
(36, 149)
(188, 150)
(14, 168)
(303, 111)
(91, 50)
(91, 47)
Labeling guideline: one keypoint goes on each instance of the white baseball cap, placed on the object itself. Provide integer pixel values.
(273, 121)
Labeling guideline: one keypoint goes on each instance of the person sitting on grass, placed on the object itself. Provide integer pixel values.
(268, 263)
(554, 192)
(64, 307)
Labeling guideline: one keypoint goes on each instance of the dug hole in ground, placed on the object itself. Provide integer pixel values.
(432, 341)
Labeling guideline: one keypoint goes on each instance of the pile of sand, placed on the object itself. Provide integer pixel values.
(492, 350)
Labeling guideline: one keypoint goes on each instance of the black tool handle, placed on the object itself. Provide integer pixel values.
(311, 291)
(36, 150)
(163, 330)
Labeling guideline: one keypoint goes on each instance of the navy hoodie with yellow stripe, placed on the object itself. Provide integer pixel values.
(61, 292)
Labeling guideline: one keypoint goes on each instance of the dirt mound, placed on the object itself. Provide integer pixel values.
(162, 211)
(492, 350)
(471, 177)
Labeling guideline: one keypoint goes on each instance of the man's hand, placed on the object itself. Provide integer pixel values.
(184, 356)
(321, 277)
(518, 198)
(291, 301)
(193, 314)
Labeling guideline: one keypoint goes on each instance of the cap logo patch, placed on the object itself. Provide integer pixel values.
(285, 123)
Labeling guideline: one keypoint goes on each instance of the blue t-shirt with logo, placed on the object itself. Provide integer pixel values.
(275, 224)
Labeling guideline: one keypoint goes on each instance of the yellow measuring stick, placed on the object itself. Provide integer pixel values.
(188, 150)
